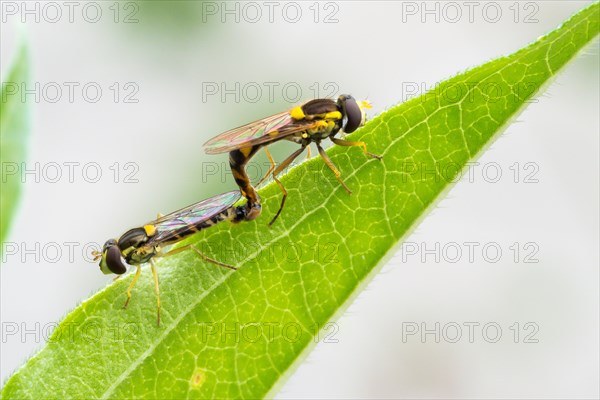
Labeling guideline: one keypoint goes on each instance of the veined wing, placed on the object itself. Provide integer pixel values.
(262, 131)
(180, 221)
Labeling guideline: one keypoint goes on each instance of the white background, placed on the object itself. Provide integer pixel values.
(373, 50)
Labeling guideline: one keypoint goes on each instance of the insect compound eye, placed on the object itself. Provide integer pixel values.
(109, 243)
(112, 260)
(352, 112)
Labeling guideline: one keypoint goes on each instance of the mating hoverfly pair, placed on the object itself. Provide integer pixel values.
(309, 123)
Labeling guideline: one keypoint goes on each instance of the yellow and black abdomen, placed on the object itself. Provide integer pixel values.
(238, 159)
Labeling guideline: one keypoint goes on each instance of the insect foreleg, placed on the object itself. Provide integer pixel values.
(156, 290)
(349, 143)
(132, 284)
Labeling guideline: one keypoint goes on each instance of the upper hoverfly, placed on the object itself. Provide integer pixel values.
(140, 245)
(309, 123)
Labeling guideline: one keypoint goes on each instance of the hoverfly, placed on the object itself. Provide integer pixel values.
(309, 123)
(140, 245)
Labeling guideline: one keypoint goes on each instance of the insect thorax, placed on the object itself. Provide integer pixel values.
(327, 115)
(319, 106)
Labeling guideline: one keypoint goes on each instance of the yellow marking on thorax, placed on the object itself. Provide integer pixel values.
(329, 115)
(246, 150)
(333, 115)
(297, 113)
(150, 230)
(321, 126)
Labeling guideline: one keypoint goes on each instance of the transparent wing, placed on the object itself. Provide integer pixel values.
(266, 130)
(183, 221)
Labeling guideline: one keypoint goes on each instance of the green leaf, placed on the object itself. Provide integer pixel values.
(237, 334)
(14, 129)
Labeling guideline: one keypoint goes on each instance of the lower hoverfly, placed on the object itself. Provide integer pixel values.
(309, 123)
(140, 245)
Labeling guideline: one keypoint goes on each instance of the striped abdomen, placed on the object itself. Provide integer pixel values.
(237, 161)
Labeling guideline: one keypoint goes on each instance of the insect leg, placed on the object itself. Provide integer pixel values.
(132, 284)
(204, 257)
(278, 170)
(156, 290)
(332, 167)
(213, 261)
(349, 143)
(308, 152)
(271, 168)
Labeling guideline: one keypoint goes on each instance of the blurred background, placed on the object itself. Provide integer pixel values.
(494, 295)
